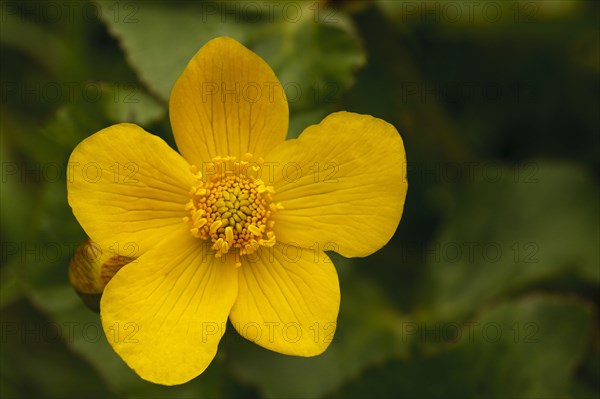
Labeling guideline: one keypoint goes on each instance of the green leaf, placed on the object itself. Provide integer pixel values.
(523, 349)
(313, 51)
(104, 105)
(65, 42)
(369, 331)
(315, 58)
(511, 228)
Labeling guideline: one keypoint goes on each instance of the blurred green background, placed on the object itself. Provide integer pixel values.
(489, 287)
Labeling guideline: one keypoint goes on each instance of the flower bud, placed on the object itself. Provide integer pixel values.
(91, 269)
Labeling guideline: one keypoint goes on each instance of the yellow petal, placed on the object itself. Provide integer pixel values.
(127, 188)
(342, 185)
(227, 102)
(165, 313)
(288, 300)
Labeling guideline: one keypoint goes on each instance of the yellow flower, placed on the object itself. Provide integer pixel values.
(234, 227)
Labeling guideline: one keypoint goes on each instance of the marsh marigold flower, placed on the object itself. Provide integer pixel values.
(234, 227)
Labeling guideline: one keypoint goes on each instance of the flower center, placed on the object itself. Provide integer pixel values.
(231, 207)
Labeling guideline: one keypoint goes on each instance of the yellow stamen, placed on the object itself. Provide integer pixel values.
(215, 226)
(254, 230)
(231, 208)
(229, 234)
